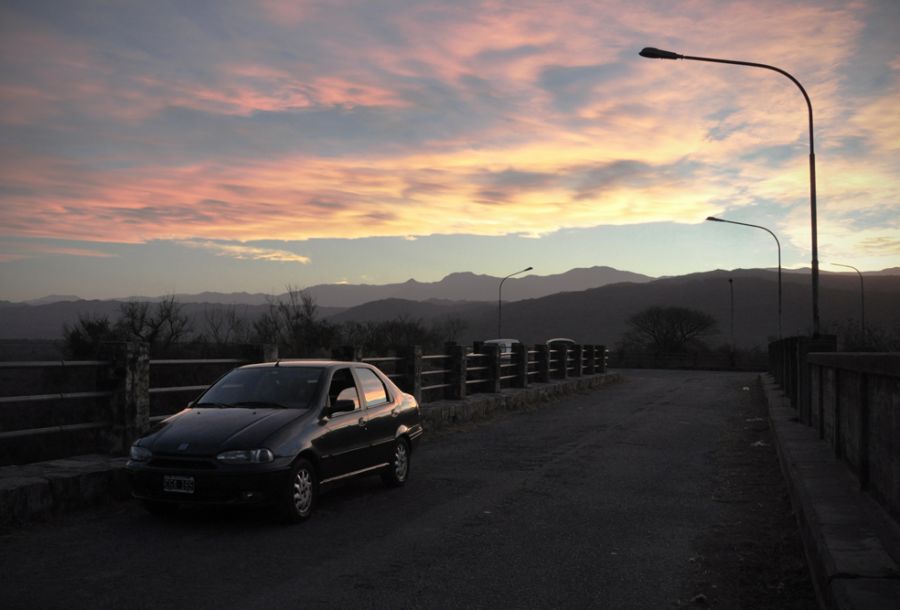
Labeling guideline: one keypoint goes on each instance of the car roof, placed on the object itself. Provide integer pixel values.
(306, 362)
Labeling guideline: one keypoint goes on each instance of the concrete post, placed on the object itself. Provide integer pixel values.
(578, 351)
(562, 357)
(543, 362)
(269, 352)
(492, 361)
(806, 346)
(412, 371)
(590, 359)
(129, 380)
(458, 364)
(520, 356)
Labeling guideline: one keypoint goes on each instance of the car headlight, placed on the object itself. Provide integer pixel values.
(246, 456)
(139, 454)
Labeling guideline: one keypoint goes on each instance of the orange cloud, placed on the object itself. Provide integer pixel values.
(534, 107)
(243, 252)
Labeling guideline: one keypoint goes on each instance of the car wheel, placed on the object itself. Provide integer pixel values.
(398, 471)
(300, 496)
(160, 509)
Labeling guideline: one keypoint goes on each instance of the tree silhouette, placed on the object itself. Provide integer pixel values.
(670, 329)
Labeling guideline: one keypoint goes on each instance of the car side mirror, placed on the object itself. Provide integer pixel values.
(341, 406)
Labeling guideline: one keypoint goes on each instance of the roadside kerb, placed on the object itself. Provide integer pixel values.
(478, 406)
(47, 490)
(850, 541)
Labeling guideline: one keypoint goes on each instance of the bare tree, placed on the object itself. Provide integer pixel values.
(83, 339)
(171, 320)
(160, 326)
(293, 321)
(670, 329)
(450, 328)
(224, 325)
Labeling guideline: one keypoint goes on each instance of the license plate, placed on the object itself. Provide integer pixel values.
(179, 485)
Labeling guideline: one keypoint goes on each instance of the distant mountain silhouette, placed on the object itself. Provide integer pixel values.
(473, 287)
(594, 315)
(54, 298)
(600, 315)
(390, 309)
(462, 286)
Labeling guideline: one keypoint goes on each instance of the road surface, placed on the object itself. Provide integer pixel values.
(632, 496)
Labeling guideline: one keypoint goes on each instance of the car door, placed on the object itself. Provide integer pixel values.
(381, 415)
(345, 444)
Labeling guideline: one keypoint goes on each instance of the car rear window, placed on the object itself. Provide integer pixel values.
(372, 387)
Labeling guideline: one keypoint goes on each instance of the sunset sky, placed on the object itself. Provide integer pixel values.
(150, 148)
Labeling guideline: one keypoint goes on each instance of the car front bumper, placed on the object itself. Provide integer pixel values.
(210, 483)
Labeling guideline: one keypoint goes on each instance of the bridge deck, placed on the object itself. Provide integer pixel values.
(650, 493)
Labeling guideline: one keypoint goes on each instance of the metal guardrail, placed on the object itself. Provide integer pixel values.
(54, 429)
(47, 364)
(200, 361)
(479, 369)
(175, 390)
(85, 395)
(59, 396)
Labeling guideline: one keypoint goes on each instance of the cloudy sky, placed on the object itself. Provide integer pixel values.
(160, 147)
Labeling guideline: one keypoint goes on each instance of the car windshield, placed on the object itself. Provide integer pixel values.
(289, 387)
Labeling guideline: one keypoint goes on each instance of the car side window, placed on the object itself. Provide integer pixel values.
(343, 388)
(372, 387)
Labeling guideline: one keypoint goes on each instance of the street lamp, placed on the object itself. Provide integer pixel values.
(778, 243)
(653, 53)
(731, 290)
(500, 299)
(862, 298)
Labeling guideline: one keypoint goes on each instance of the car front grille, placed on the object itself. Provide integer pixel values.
(185, 463)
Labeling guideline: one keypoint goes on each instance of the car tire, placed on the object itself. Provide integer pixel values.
(301, 492)
(160, 509)
(398, 471)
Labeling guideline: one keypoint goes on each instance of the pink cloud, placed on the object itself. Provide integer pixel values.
(658, 113)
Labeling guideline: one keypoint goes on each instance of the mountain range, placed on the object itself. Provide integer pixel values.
(464, 286)
(588, 305)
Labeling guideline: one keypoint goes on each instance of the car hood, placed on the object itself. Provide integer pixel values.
(209, 431)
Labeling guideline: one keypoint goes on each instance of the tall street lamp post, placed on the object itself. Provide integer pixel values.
(778, 243)
(500, 300)
(862, 298)
(731, 290)
(653, 53)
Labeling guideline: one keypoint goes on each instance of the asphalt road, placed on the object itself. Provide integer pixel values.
(596, 501)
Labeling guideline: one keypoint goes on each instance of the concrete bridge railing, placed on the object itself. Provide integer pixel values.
(853, 401)
(855, 406)
(115, 401)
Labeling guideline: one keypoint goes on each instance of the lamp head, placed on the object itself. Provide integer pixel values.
(654, 53)
(714, 219)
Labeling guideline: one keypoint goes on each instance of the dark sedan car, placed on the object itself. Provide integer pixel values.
(277, 433)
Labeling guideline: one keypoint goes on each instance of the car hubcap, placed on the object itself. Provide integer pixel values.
(401, 461)
(302, 491)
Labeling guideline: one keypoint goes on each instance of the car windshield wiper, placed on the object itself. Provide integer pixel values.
(215, 405)
(259, 403)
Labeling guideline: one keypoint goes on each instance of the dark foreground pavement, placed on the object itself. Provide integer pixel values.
(613, 498)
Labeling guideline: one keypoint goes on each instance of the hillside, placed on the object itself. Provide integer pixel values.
(600, 315)
(595, 315)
